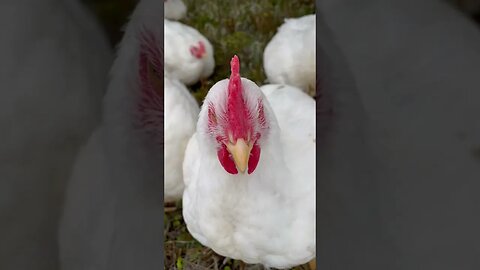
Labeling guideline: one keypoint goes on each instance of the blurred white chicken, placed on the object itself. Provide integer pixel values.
(249, 173)
(112, 215)
(181, 114)
(174, 9)
(188, 54)
(289, 58)
(53, 69)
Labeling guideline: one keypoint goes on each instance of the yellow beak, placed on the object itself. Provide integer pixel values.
(240, 152)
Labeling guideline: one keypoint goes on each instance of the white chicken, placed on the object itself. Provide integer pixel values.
(188, 54)
(249, 173)
(174, 9)
(289, 58)
(112, 217)
(53, 69)
(181, 113)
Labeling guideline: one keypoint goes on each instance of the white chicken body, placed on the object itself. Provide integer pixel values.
(181, 60)
(266, 217)
(181, 113)
(289, 58)
(53, 72)
(174, 9)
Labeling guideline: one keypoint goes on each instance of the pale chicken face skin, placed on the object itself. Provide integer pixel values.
(236, 123)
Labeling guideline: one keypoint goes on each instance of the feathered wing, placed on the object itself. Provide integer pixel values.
(295, 113)
(191, 162)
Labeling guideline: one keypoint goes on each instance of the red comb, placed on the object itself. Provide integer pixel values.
(235, 82)
(236, 110)
(235, 65)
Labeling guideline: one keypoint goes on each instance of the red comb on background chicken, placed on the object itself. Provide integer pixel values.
(198, 51)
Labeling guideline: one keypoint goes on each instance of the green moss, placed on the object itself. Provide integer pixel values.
(179, 263)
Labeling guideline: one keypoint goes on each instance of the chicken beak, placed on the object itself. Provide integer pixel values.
(240, 152)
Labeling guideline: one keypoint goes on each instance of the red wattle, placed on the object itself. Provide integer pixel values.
(226, 161)
(254, 158)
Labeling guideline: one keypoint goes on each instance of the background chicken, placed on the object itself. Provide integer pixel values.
(174, 9)
(188, 54)
(181, 113)
(289, 58)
